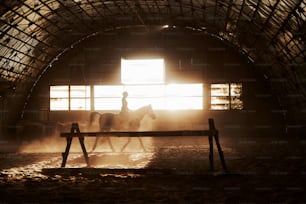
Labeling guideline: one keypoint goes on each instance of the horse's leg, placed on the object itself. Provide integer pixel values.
(136, 126)
(141, 143)
(102, 125)
(98, 141)
(106, 123)
(95, 144)
(110, 144)
(126, 144)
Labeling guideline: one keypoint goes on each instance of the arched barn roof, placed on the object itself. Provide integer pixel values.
(34, 33)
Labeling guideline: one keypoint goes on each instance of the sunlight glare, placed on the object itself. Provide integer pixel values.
(142, 71)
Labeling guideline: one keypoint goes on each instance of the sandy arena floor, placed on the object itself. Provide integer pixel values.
(262, 170)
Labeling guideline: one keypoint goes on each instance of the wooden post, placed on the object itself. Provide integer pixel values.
(81, 139)
(216, 136)
(65, 154)
(211, 133)
(211, 144)
(69, 141)
(74, 130)
(221, 155)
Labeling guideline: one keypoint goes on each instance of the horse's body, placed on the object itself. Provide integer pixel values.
(119, 122)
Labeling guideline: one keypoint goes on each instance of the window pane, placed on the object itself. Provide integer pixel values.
(236, 89)
(108, 91)
(220, 106)
(226, 96)
(156, 102)
(184, 103)
(59, 104)
(80, 91)
(184, 90)
(80, 104)
(59, 91)
(107, 103)
(59, 97)
(161, 97)
(145, 90)
(236, 103)
(220, 100)
(219, 89)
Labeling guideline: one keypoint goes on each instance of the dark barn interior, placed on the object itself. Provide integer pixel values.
(258, 44)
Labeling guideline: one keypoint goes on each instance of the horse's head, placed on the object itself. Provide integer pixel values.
(151, 112)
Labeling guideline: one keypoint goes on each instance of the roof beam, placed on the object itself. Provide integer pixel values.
(60, 16)
(24, 53)
(24, 42)
(282, 27)
(31, 22)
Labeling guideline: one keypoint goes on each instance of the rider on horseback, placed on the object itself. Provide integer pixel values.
(124, 108)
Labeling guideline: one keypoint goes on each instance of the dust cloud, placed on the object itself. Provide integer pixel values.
(55, 143)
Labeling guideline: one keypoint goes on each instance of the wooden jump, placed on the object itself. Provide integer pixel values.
(212, 133)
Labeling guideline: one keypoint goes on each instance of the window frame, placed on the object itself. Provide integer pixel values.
(227, 96)
(70, 97)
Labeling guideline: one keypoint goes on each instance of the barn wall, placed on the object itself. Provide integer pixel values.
(189, 57)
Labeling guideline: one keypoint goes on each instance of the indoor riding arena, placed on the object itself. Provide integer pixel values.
(166, 101)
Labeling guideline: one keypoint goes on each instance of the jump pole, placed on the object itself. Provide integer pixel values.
(212, 134)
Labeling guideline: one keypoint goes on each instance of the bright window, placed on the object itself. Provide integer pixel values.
(59, 97)
(69, 97)
(143, 79)
(107, 97)
(79, 97)
(142, 71)
(226, 96)
(184, 96)
(161, 97)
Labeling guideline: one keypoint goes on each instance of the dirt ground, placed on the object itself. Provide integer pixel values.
(175, 170)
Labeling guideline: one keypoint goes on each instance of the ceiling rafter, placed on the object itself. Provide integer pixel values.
(239, 16)
(106, 8)
(259, 2)
(215, 12)
(102, 16)
(78, 4)
(31, 22)
(148, 7)
(42, 16)
(14, 74)
(273, 9)
(24, 42)
(18, 51)
(119, 7)
(94, 8)
(60, 16)
(181, 8)
(18, 62)
(136, 8)
(289, 16)
(228, 13)
(158, 8)
(75, 15)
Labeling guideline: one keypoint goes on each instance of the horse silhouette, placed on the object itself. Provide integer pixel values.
(105, 122)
